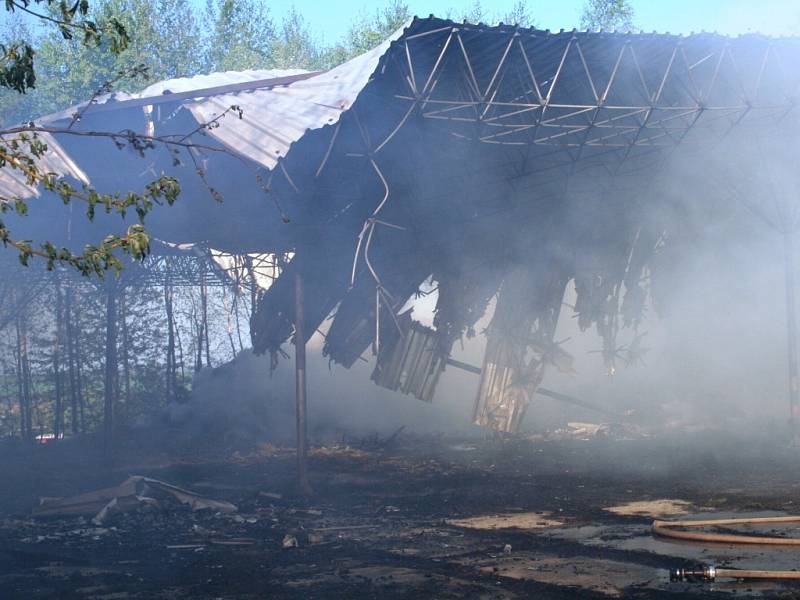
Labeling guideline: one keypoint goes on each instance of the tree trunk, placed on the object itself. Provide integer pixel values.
(126, 366)
(79, 371)
(170, 380)
(204, 330)
(26, 377)
(71, 370)
(58, 416)
(109, 391)
(198, 359)
(238, 325)
(23, 409)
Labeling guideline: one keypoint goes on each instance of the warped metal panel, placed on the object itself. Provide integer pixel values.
(412, 364)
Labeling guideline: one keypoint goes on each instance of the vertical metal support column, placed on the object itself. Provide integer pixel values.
(109, 391)
(791, 333)
(300, 385)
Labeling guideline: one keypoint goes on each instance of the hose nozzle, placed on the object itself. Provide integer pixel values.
(708, 573)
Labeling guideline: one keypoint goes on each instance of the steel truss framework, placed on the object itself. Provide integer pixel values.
(588, 91)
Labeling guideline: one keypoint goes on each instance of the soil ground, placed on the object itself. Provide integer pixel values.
(422, 517)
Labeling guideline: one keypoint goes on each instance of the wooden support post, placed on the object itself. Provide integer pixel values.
(300, 386)
(110, 379)
(791, 335)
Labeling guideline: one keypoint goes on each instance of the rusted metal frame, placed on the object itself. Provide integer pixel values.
(661, 124)
(715, 75)
(363, 132)
(657, 96)
(397, 128)
(530, 71)
(691, 125)
(506, 132)
(634, 142)
(546, 100)
(552, 123)
(452, 108)
(654, 99)
(432, 79)
(369, 229)
(488, 104)
(438, 62)
(609, 123)
(523, 96)
(472, 80)
(790, 95)
(695, 92)
(580, 109)
(617, 133)
(287, 176)
(330, 149)
(412, 80)
(511, 126)
(738, 78)
(612, 78)
(761, 70)
(586, 70)
(500, 65)
(491, 86)
(512, 114)
(599, 99)
(431, 32)
(462, 119)
(487, 141)
(458, 105)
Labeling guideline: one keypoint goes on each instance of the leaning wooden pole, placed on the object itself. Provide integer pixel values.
(791, 334)
(300, 386)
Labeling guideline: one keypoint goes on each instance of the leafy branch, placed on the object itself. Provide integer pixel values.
(21, 154)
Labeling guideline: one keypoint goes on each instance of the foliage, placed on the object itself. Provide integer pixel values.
(21, 153)
(239, 35)
(520, 14)
(609, 15)
(371, 31)
(16, 63)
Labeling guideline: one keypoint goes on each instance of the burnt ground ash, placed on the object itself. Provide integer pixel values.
(379, 524)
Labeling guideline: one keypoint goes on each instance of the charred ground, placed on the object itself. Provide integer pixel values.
(379, 523)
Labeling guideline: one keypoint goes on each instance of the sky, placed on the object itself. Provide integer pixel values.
(330, 20)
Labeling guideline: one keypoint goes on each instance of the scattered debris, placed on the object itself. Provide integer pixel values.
(271, 495)
(135, 493)
(315, 538)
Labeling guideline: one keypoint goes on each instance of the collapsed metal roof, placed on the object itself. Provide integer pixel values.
(485, 157)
